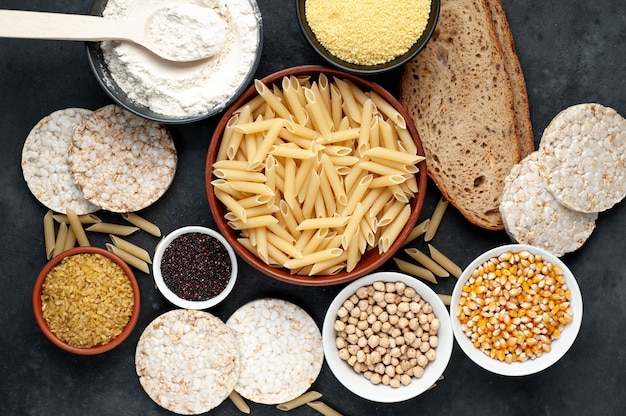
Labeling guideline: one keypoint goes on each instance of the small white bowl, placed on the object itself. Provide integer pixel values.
(357, 383)
(171, 296)
(558, 347)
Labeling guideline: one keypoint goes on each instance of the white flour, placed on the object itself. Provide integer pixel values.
(187, 32)
(184, 89)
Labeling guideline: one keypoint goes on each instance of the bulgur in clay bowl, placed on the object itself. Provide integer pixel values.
(310, 237)
(195, 267)
(86, 300)
(362, 41)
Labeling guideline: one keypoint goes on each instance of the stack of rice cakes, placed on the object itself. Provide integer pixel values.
(552, 198)
(104, 159)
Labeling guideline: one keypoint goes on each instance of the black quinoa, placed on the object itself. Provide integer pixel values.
(196, 266)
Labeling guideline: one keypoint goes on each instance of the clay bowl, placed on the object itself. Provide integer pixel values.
(371, 260)
(37, 302)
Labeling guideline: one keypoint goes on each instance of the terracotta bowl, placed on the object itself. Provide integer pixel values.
(37, 303)
(371, 260)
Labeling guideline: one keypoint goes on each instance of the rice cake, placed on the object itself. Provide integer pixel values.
(120, 161)
(532, 215)
(281, 350)
(582, 157)
(187, 361)
(45, 164)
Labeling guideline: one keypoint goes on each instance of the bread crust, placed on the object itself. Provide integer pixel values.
(518, 83)
(459, 95)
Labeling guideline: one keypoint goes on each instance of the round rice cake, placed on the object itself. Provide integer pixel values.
(532, 215)
(45, 164)
(582, 157)
(281, 350)
(120, 161)
(187, 361)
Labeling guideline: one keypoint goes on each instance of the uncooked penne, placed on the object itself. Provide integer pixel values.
(142, 223)
(392, 231)
(271, 99)
(128, 258)
(326, 222)
(301, 400)
(427, 262)
(59, 245)
(313, 258)
(83, 219)
(323, 408)
(417, 231)
(239, 402)
(446, 299)
(131, 248)
(110, 228)
(393, 155)
(77, 227)
(70, 239)
(415, 270)
(435, 219)
(445, 262)
(387, 109)
(48, 234)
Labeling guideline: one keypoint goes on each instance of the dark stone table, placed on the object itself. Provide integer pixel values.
(572, 51)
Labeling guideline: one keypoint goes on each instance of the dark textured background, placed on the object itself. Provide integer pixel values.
(572, 51)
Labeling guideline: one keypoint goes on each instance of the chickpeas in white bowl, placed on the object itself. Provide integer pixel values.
(387, 337)
(516, 310)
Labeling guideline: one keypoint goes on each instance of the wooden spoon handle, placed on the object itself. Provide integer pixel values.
(59, 26)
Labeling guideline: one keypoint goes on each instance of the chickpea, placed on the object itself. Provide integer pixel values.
(362, 342)
(362, 325)
(435, 324)
(362, 292)
(348, 305)
(418, 372)
(433, 341)
(340, 343)
(409, 292)
(376, 379)
(431, 355)
(342, 312)
(355, 312)
(350, 329)
(344, 354)
(390, 371)
(363, 305)
(400, 287)
(390, 298)
(386, 327)
(390, 287)
(360, 356)
(375, 357)
(373, 341)
(386, 379)
(393, 319)
(339, 326)
(376, 327)
(395, 382)
(379, 286)
(404, 307)
(352, 360)
(405, 379)
(352, 339)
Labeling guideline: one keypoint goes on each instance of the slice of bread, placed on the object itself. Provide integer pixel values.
(459, 96)
(518, 83)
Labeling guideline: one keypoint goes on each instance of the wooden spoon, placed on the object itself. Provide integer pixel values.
(59, 26)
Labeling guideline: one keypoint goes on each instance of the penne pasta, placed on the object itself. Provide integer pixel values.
(110, 228)
(239, 402)
(417, 231)
(77, 227)
(299, 401)
(83, 219)
(142, 223)
(317, 167)
(70, 239)
(48, 234)
(323, 408)
(313, 258)
(326, 222)
(445, 262)
(59, 245)
(128, 258)
(427, 262)
(415, 270)
(387, 109)
(131, 248)
(435, 219)
(271, 99)
(446, 299)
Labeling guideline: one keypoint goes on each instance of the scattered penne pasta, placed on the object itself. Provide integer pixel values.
(84, 219)
(323, 408)
(59, 245)
(415, 270)
(435, 219)
(128, 258)
(301, 400)
(131, 248)
(446, 299)
(48, 234)
(239, 402)
(445, 262)
(110, 228)
(427, 262)
(142, 223)
(77, 227)
(417, 231)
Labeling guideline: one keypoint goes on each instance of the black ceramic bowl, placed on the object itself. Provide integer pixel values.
(119, 96)
(369, 69)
